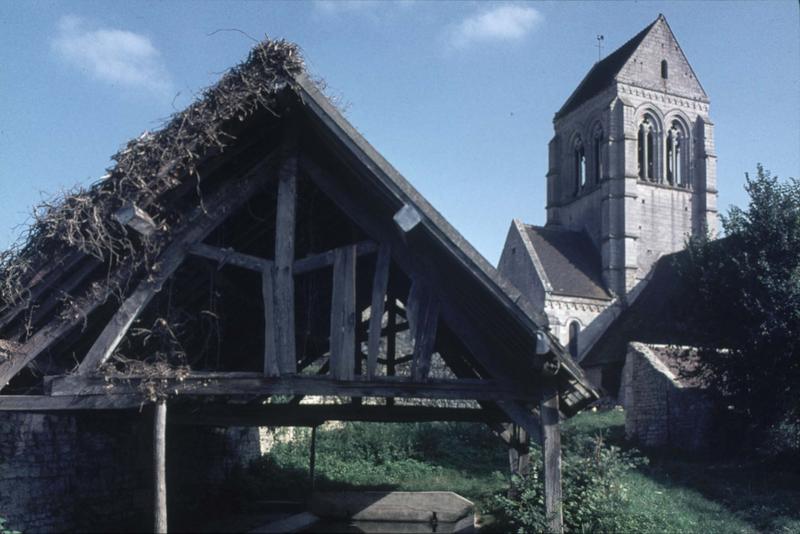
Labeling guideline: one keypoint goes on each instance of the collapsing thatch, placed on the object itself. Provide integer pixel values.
(147, 169)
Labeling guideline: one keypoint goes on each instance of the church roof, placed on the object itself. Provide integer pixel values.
(654, 317)
(570, 261)
(603, 72)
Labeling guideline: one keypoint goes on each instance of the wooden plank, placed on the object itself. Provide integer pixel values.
(203, 384)
(427, 320)
(271, 366)
(227, 256)
(343, 314)
(160, 466)
(46, 403)
(202, 222)
(551, 445)
(285, 222)
(312, 415)
(325, 259)
(380, 283)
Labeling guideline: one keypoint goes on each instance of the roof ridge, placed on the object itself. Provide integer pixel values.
(615, 60)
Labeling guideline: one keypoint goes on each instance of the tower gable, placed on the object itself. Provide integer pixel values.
(658, 63)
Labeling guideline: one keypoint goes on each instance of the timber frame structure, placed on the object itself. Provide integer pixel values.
(280, 258)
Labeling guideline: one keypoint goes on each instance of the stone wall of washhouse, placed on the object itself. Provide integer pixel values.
(660, 411)
(94, 471)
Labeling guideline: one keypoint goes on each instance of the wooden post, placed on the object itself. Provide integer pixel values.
(551, 448)
(391, 338)
(271, 366)
(518, 451)
(343, 314)
(379, 284)
(284, 262)
(423, 317)
(312, 461)
(159, 465)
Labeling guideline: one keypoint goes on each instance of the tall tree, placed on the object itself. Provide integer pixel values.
(746, 300)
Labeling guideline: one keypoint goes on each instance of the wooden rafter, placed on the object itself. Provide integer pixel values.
(203, 221)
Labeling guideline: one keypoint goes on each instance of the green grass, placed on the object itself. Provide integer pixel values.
(684, 495)
(671, 493)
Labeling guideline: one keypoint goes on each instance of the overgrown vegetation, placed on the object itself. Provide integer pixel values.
(81, 221)
(608, 486)
(746, 294)
(460, 457)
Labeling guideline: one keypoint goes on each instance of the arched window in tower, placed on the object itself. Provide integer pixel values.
(677, 155)
(597, 155)
(664, 69)
(579, 164)
(647, 151)
(574, 330)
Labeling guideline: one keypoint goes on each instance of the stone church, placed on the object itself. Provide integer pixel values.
(632, 174)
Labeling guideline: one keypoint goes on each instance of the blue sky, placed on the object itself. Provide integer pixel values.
(459, 96)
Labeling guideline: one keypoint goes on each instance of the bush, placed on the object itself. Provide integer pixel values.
(594, 496)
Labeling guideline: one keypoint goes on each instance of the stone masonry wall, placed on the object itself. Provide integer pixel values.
(69, 472)
(659, 410)
(93, 472)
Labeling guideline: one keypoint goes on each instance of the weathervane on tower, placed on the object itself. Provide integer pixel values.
(600, 40)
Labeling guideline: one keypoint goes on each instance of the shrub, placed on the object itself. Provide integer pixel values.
(594, 495)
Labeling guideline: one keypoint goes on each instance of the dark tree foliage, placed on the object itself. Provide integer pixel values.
(745, 292)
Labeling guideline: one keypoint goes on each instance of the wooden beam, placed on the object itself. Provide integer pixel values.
(325, 259)
(343, 314)
(227, 256)
(379, 284)
(160, 466)
(522, 416)
(203, 384)
(285, 220)
(312, 415)
(202, 222)
(551, 449)
(271, 365)
(46, 403)
(426, 321)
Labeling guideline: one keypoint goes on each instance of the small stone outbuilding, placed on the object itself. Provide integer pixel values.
(663, 407)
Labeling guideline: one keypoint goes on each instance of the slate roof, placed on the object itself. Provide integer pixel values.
(603, 72)
(653, 318)
(570, 261)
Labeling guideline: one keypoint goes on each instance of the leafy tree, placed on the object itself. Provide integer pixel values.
(746, 300)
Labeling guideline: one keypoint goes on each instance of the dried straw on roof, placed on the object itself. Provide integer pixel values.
(148, 167)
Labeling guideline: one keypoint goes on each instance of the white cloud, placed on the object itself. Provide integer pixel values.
(111, 55)
(343, 6)
(508, 22)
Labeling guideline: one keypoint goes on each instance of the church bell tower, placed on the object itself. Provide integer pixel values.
(632, 162)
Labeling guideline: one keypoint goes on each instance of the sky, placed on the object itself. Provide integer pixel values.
(458, 96)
